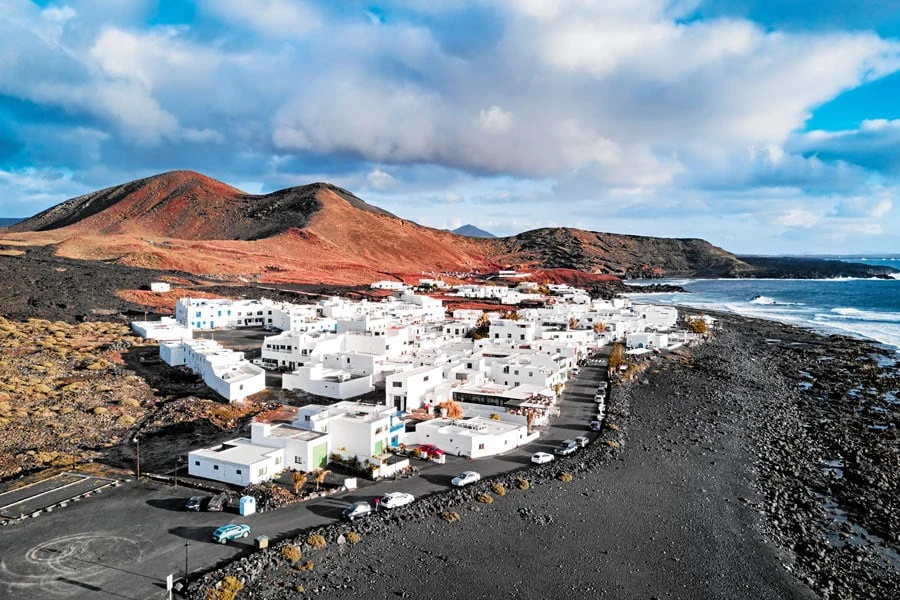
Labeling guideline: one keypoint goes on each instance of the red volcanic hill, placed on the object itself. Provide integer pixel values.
(186, 221)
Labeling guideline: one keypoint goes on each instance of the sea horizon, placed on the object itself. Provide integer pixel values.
(867, 308)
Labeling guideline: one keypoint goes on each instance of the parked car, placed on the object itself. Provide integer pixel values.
(601, 387)
(595, 426)
(196, 503)
(396, 499)
(232, 531)
(429, 451)
(566, 447)
(600, 397)
(217, 503)
(465, 478)
(540, 458)
(582, 441)
(356, 510)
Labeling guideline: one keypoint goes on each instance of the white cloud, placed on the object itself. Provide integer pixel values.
(796, 217)
(284, 19)
(380, 180)
(495, 119)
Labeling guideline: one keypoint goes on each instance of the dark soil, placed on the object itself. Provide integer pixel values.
(718, 491)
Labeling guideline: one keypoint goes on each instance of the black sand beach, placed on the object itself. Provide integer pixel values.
(748, 468)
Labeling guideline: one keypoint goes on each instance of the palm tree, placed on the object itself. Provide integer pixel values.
(320, 475)
(300, 478)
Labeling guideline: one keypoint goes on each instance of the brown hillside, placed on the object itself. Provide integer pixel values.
(185, 221)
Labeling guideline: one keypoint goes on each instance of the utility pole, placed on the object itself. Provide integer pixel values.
(137, 441)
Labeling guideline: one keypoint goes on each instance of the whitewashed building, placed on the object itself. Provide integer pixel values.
(475, 437)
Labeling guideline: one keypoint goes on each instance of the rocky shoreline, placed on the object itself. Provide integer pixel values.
(755, 467)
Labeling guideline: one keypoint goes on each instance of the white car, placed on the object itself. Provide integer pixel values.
(540, 458)
(582, 441)
(465, 478)
(396, 499)
(601, 387)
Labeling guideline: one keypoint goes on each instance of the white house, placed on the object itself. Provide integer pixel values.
(508, 331)
(164, 330)
(408, 390)
(647, 340)
(223, 370)
(360, 430)
(237, 461)
(160, 287)
(320, 380)
(304, 449)
(475, 437)
(388, 285)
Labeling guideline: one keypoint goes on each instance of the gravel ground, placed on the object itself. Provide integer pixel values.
(717, 491)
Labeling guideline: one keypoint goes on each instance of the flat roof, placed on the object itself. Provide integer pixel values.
(239, 451)
(282, 430)
(473, 427)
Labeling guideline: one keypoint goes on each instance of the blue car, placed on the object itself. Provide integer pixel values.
(232, 531)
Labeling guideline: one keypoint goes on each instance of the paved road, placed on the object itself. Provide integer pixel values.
(123, 542)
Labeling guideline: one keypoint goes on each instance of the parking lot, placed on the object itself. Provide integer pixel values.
(48, 493)
(124, 542)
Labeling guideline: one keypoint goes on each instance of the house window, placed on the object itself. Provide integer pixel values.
(262, 471)
(481, 446)
(277, 460)
(298, 460)
(237, 471)
(522, 337)
(196, 463)
(397, 384)
(215, 467)
(425, 378)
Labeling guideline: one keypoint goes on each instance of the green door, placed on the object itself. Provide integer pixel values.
(379, 448)
(320, 456)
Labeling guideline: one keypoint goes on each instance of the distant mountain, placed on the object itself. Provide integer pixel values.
(185, 221)
(4, 222)
(472, 231)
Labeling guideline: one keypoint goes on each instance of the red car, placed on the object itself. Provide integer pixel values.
(430, 451)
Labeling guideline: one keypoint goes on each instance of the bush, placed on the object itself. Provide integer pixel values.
(485, 498)
(353, 537)
(99, 410)
(316, 540)
(291, 553)
(226, 590)
(612, 443)
(495, 417)
(613, 426)
(565, 477)
(499, 488)
(523, 483)
(449, 516)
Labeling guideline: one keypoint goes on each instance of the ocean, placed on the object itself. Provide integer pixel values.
(868, 308)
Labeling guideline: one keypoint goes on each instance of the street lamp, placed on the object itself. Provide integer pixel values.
(187, 544)
(175, 473)
(137, 441)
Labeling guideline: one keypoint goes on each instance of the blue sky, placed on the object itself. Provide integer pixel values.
(760, 126)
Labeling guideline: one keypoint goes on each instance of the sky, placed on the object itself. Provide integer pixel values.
(763, 127)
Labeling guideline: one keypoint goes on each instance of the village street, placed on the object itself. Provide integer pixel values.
(124, 542)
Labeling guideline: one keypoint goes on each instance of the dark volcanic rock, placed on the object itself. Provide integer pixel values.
(787, 267)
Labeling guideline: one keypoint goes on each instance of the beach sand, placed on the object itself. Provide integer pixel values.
(716, 491)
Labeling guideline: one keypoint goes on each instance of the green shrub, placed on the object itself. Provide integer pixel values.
(316, 540)
(353, 537)
(499, 488)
